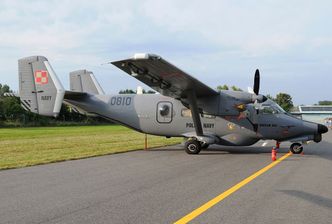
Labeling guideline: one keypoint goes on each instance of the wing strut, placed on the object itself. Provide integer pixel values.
(192, 99)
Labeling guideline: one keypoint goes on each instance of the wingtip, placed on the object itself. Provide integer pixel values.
(141, 56)
(138, 56)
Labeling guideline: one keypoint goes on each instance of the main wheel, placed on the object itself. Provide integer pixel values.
(193, 147)
(296, 148)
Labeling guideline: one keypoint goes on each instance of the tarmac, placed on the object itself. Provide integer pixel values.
(164, 185)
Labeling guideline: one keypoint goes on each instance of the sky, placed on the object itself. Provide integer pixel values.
(218, 42)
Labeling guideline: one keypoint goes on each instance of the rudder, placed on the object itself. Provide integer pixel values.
(40, 90)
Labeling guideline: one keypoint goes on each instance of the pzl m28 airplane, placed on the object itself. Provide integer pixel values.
(185, 106)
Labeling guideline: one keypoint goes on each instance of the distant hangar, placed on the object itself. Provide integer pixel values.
(316, 113)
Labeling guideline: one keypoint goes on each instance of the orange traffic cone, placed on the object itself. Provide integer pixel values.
(274, 154)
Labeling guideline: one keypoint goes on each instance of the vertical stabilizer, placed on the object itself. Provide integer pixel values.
(84, 81)
(39, 88)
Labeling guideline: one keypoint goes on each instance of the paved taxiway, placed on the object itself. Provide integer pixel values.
(164, 185)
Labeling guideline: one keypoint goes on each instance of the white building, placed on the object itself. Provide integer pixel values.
(315, 113)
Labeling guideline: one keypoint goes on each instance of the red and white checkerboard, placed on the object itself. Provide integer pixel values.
(41, 77)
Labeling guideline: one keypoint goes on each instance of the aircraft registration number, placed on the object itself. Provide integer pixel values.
(120, 101)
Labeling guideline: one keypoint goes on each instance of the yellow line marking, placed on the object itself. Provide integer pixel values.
(228, 192)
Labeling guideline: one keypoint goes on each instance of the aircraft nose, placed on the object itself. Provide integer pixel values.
(322, 129)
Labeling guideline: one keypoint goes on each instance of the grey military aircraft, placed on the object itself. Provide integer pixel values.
(185, 106)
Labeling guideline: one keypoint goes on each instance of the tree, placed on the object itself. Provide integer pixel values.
(11, 108)
(225, 87)
(4, 89)
(325, 102)
(127, 91)
(285, 101)
(270, 97)
(148, 92)
(4, 102)
(130, 91)
(234, 88)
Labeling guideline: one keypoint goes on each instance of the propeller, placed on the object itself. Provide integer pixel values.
(256, 97)
(255, 91)
(256, 82)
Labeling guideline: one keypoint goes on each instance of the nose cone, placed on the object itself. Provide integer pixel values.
(322, 129)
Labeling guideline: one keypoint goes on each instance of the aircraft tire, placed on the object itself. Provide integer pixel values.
(296, 148)
(193, 147)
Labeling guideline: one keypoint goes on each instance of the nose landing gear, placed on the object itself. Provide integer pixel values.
(296, 148)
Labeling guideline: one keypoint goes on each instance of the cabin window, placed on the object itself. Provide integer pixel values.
(209, 116)
(164, 110)
(187, 113)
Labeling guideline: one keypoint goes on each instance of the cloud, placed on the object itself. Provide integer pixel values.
(216, 41)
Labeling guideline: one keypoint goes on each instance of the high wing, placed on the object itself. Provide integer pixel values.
(163, 77)
(170, 81)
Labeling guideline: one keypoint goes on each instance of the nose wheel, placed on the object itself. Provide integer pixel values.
(193, 146)
(296, 148)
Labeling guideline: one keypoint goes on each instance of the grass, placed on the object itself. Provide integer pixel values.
(21, 147)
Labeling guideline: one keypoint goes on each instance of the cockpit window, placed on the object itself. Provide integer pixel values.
(271, 108)
(268, 110)
(279, 108)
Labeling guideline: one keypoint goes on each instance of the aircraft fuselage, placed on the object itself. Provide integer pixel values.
(165, 116)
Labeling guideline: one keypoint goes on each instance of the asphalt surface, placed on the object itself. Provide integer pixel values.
(163, 185)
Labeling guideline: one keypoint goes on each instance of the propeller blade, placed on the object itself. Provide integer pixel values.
(256, 82)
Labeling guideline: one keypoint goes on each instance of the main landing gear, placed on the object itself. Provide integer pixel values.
(204, 145)
(193, 146)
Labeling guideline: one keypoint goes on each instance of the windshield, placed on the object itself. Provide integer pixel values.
(270, 107)
(279, 108)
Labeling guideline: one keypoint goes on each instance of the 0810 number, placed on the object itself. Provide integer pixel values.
(120, 101)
